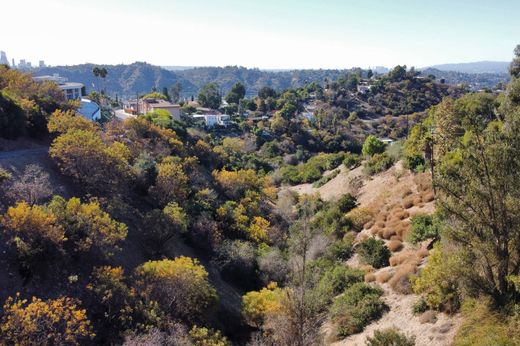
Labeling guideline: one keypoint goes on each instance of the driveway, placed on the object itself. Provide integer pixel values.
(122, 115)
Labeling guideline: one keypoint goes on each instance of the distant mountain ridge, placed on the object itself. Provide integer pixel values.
(475, 67)
(141, 77)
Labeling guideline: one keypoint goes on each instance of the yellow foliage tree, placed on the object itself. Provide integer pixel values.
(34, 230)
(201, 336)
(258, 304)
(119, 306)
(258, 230)
(236, 183)
(84, 156)
(51, 322)
(180, 286)
(87, 225)
(63, 121)
(171, 183)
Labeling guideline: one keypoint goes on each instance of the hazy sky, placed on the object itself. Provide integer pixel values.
(260, 33)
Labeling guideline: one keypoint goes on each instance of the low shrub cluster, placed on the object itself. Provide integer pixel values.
(378, 163)
(390, 337)
(311, 170)
(356, 308)
(325, 179)
(374, 252)
(424, 227)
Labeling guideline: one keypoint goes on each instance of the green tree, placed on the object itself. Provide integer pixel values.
(514, 68)
(373, 146)
(175, 91)
(209, 96)
(237, 93)
(265, 92)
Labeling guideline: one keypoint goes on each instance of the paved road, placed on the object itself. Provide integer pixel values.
(22, 153)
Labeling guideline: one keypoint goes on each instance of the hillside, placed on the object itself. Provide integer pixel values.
(303, 227)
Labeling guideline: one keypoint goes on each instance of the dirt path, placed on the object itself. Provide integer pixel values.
(23, 153)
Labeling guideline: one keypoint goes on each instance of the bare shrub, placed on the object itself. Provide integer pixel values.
(370, 277)
(369, 224)
(428, 197)
(408, 203)
(388, 233)
(384, 276)
(395, 245)
(400, 282)
(402, 257)
(33, 186)
(429, 316)
(273, 266)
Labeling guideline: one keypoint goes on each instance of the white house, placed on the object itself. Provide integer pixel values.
(210, 120)
(72, 90)
(387, 141)
(363, 88)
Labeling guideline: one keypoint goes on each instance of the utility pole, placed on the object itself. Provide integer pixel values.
(137, 103)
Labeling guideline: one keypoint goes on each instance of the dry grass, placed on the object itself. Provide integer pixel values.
(402, 257)
(402, 215)
(384, 276)
(406, 231)
(381, 217)
(369, 224)
(408, 202)
(400, 281)
(417, 200)
(396, 237)
(406, 193)
(388, 233)
(393, 223)
(422, 253)
(427, 196)
(395, 245)
(380, 224)
(423, 181)
(370, 277)
(375, 230)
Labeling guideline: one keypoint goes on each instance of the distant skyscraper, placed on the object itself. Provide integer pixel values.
(42, 63)
(3, 58)
(13, 64)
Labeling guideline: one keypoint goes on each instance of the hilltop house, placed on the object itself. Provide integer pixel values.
(143, 106)
(72, 90)
(211, 120)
